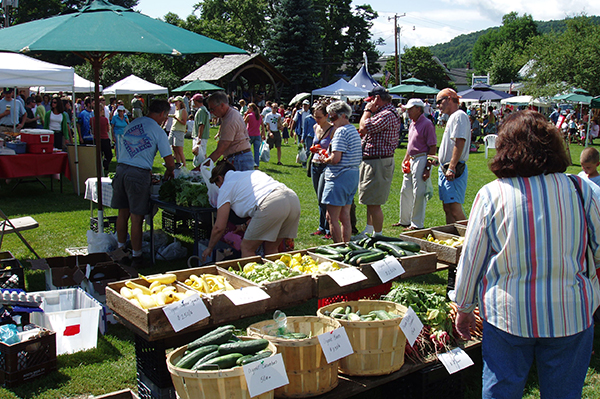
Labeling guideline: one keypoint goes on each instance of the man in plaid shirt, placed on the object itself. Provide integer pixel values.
(380, 132)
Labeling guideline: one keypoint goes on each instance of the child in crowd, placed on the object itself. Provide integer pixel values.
(189, 126)
(590, 159)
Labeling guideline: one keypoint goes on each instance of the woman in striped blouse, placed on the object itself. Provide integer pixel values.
(529, 262)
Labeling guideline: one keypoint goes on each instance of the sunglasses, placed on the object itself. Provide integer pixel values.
(441, 100)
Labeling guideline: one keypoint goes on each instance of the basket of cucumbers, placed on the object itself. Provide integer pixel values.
(373, 328)
(306, 367)
(210, 367)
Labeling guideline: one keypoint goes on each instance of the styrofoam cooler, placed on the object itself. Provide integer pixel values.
(39, 141)
(73, 315)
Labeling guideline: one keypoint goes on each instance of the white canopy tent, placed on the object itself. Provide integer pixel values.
(341, 88)
(18, 70)
(81, 86)
(132, 85)
(525, 101)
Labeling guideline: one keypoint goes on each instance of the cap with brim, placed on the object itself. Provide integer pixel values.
(178, 98)
(377, 91)
(197, 97)
(414, 102)
(120, 108)
(306, 102)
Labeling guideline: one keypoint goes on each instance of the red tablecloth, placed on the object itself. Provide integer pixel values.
(30, 165)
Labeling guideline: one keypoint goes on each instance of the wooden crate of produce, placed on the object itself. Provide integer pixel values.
(456, 229)
(444, 253)
(285, 292)
(152, 323)
(219, 305)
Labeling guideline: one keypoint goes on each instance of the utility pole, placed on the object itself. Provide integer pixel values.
(397, 52)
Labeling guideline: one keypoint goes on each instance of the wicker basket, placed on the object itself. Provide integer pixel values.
(305, 364)
(378, 345)
(218, 384)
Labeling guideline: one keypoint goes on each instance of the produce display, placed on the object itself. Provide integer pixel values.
(369, 250)
(160, 292)
(265, 272)
(451, 242)
(184, 192)
(208, 283)
(306, 264)
(347, 313)
(220, 349)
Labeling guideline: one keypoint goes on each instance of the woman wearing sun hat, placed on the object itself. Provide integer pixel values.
(177, 134)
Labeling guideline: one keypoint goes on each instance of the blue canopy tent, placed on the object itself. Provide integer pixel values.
(364, 80)
(341, 88)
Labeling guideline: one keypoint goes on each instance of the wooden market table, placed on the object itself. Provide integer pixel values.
(23, 166)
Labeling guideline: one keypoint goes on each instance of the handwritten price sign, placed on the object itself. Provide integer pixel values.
(347, 276)
(265, 375)
(335, 344)
(186, 312)
(411, 326)
(388, 268)
(455, 360)
(246, 295)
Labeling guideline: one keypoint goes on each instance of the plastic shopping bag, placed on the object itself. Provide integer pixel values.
(213, 190)
(101, 242)
(172, 251)
(198, 159)
(265, 154)
(301, 157)
(429, 189)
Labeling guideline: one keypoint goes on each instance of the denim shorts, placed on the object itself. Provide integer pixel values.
(340, 190)
(451, 191)
(243, 161)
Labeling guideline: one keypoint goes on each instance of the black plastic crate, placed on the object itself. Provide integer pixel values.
(174, 223)
(430, 382)
(12, 276)
(110, 224)
(149, 390)
(150, 362)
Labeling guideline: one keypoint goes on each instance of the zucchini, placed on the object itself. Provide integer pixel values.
(324, 250)
(362, 242)
(380, 314)
(336, 257)
(390, 248)
(408, 246)
(244, 347)
(342, 250)
(210, 356)
(354, 245)
(354, 259)
(370, 258)
(188, 361)
(355, 252)
(258, 356)
(337, 311)
(348, 310)
(353, 317)
(223, 362)
(211, 338)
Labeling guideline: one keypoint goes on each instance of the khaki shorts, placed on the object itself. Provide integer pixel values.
(177, 138)
(375, 181)
(277, 216)
(131, 189)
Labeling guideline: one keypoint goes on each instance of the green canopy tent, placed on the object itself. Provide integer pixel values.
(198, 85)
(415, 90)
(104, 30)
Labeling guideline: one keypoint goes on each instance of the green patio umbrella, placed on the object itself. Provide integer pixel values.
(413, 81)
(97, 32)
(574, 98)
(416, 90)
(198, 85)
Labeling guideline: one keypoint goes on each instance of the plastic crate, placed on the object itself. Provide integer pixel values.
(150, 362)
(430, 382)
(174, 223)
(19, 146)
(149, 390)
(12, 275)
(367, 293)
(110, 224)
(26, 360)
(74, 315)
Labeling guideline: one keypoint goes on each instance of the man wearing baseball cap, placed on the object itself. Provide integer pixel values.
(136, 106)
(201, 130)
(422, 142)
(380, 131)
(454, 152)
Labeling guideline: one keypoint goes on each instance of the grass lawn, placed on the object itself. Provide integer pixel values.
(64, 220)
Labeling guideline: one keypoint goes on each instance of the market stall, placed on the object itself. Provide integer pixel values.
(22, 166)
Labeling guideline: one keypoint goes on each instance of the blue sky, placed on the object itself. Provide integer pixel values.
(431, 22)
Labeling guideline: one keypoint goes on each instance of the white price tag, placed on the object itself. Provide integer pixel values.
(246, 295)
(184, 313)
(411, 326)
(455, 360)
(388, 268)
(347, 276)
(265, 375)
(88, 271)
(335, 344)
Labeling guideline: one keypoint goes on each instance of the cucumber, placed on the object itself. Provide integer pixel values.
(223, 362)
(380, 314)
(258, 356)
(370, 258)
(189, 360)
(205, 359)
(390, 248)
(211, 339)
(244, 347)
(339, 310)
(348, 310)
(241, 359)
(353, 317)
(326, 250)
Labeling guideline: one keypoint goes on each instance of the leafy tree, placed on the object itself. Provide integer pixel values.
(506, 63)
(418, 62)
(516, 30)
(359, 34)
(562, 61)
(294, 46)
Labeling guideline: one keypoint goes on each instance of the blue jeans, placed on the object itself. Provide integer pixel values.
(307, 144)
(255, 142)
(243, 161)
(318, 180)
(562, 364)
